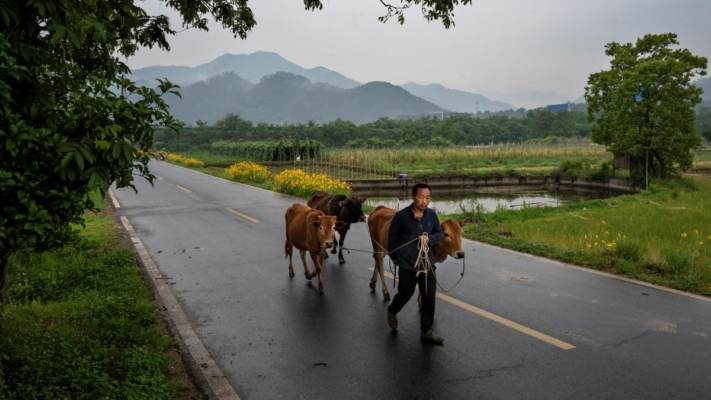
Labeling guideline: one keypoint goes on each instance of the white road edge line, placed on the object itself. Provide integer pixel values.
(210, 371)
(114, 199)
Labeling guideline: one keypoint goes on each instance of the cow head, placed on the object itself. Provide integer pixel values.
(451, 242)
(351, 209)
(326, 230)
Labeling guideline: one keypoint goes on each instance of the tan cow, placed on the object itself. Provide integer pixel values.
(309, 230)
(378, 226)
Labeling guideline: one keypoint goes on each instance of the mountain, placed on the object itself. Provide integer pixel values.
(705, 85)
(252, 67)
(209, 100)
(455, 100)
(289, 98)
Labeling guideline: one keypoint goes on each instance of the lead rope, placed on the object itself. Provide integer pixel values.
(424, 250)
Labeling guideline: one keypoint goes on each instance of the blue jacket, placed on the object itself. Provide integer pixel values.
(404, 227)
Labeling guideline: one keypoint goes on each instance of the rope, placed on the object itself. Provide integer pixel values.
(422, 254)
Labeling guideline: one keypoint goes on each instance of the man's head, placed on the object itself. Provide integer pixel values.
(421, 196)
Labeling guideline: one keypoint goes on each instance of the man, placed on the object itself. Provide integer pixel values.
(421, 224)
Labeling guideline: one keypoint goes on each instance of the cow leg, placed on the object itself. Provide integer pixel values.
(341, 239)
(316, 258)
(289, 250)
(306, 266)
(378, 270)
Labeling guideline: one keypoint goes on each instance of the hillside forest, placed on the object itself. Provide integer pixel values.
(514, 126)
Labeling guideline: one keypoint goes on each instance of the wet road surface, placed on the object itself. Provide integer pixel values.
(516, 327)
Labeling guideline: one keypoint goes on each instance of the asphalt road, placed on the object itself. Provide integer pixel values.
(516, 327)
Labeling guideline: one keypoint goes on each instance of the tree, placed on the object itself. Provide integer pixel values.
(644, 105)
(71, 123)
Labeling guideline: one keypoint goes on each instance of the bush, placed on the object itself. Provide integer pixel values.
(302, 184)
(247, 171)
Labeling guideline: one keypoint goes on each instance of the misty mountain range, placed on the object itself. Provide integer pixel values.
(248, 85)
(289, 98)
(265, 87)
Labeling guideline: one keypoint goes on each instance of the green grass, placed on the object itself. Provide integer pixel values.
(662, 235)
(80, 323)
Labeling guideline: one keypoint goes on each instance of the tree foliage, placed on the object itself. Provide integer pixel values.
(643, 106)
(70, 123)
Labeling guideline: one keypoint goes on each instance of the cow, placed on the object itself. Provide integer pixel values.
(378, 226)
(309, 230)
(348, 210)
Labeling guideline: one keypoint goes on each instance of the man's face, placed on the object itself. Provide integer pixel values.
(421, 199)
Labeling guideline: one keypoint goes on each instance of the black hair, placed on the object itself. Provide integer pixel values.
(420, 186)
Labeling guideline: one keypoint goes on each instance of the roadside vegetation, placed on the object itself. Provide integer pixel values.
(80, 323)
(662, 235)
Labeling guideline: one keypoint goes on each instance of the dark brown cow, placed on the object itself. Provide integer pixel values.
(378, 226)
(308, 230)
(348, 210)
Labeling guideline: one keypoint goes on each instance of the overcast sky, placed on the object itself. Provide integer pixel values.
(498, 48)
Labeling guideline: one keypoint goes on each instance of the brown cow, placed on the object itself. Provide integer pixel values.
(378, 226)
(348, 210)
(309, 230)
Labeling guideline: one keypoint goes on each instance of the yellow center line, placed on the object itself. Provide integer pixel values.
(183, 189)
(245, 216)
(503, 321)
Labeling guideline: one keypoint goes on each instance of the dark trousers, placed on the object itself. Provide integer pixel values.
(405, 289)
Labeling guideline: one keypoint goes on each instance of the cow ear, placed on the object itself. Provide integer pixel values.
(464, 221)
(341, 203)
(316, 224)
(363, 200)
(340, 224)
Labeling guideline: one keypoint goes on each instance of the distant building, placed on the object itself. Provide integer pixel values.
(554, 108)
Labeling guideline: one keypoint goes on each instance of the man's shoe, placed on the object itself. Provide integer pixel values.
(392, 321)
(430, 337)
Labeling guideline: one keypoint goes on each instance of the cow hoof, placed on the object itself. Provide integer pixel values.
(386, 296)
(334, 251)
(308, 276)
(372, 285)
(320, 290)
(341, 261)
(325, 254)
(291, 274)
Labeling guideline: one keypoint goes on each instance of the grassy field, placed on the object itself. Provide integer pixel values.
(662, 235)
(80, 323)
(359, 164)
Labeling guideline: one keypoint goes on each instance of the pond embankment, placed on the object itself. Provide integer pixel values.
(462, 185)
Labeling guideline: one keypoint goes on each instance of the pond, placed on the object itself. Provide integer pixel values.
(448, 204)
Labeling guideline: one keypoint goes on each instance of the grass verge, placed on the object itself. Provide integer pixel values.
(80, 323)
(661, 236)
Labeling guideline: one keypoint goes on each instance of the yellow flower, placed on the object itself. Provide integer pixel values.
(602, 241)
(595, 243)
(709, 237)
(610, 244)
(683, 235)
(597, 236)
(604, 223)
(696, 231)
(588, 245)
(585, 237)
(700, 243)
(607, 233)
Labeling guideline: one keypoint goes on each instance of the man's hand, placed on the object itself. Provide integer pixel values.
(426, 238)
